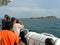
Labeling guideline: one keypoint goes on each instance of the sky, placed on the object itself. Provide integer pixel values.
(31, 8)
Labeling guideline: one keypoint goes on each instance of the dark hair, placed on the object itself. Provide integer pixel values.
(18, 21)
(13, 19)
(49, 41)
(7, 17)
(9, 25)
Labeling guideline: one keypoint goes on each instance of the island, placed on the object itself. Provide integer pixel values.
(47, 17)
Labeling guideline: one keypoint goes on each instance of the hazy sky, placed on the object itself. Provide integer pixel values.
(31, 8)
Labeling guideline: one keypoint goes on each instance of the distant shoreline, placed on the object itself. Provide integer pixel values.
(47, 17)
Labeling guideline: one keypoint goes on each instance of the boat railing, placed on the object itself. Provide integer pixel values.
(34, 38)
(48, 34)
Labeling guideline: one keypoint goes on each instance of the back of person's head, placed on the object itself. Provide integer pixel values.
(7, 17)
(9, 25)
(18, 21)
(13, 19)
(49, 41)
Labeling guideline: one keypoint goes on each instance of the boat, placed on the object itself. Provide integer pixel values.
(34, 38)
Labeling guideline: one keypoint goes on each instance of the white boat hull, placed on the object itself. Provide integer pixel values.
(34, 38)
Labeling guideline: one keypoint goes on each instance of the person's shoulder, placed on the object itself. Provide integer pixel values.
(18, 24)
(10, 33)
(6, 31)
(1, 30)
(15, 24)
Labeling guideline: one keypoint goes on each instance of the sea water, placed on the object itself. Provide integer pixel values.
(51, 26)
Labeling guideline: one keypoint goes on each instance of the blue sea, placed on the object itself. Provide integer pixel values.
(51, 26)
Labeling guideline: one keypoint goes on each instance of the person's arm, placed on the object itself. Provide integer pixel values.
(16, 42)
(19, 42)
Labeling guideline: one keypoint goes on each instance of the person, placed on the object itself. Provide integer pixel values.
(16, 26)
(49, 41)
(7, 37)
(6, 18)
(22, 35)
(19, 25)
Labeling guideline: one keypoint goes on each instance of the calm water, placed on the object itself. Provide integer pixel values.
(43, 25)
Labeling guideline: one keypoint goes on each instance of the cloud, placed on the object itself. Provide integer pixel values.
(30, 12)
(33, 10)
